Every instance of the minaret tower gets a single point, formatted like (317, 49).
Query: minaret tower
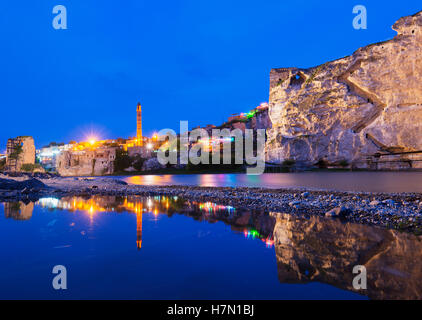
(139, 125)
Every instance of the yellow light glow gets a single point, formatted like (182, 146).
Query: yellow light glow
(149, 146)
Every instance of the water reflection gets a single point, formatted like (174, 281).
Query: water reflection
(201, 211)
(326, 251)
(18, 210)
(342, 181)
(306, 250)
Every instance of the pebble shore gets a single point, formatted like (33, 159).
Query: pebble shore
(395, 211)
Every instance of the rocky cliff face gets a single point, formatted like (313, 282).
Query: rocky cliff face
(261, 120)
(369, 103)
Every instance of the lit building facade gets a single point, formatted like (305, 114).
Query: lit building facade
(95, 161)
(47, 156)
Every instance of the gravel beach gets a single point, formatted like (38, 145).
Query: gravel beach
(401, 211)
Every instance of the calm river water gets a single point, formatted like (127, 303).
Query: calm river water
(168, 248)
(341, 181)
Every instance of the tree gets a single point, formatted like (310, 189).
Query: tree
(138, 163)
(123, 161)
(18, 149)
(30, 167)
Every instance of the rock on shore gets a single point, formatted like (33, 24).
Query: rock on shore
(30, 184)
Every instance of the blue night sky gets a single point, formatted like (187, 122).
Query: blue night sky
(183, 60)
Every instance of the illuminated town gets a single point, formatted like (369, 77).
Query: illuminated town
(97, 157)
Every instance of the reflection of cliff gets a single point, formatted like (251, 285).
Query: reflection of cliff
(18, 210)
(327, 250)
(307, 250)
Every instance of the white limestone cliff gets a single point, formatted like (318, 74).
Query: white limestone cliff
(350, 109)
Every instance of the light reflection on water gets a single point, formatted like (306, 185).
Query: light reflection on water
(341, 181)
(158, 241)
(156, 206)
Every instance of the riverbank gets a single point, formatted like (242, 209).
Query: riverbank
(175, 171)
(400, 211)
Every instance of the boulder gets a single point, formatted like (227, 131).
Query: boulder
(337, 212)
(30, 184)
(152, 164)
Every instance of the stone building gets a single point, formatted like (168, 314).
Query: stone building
(89, 162)
(237, 117)
(47, 156)
(20, 151)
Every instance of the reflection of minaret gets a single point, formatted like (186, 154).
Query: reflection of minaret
(139, 209)
(139, 124)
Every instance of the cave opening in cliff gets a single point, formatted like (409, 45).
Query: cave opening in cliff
(297, 80)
